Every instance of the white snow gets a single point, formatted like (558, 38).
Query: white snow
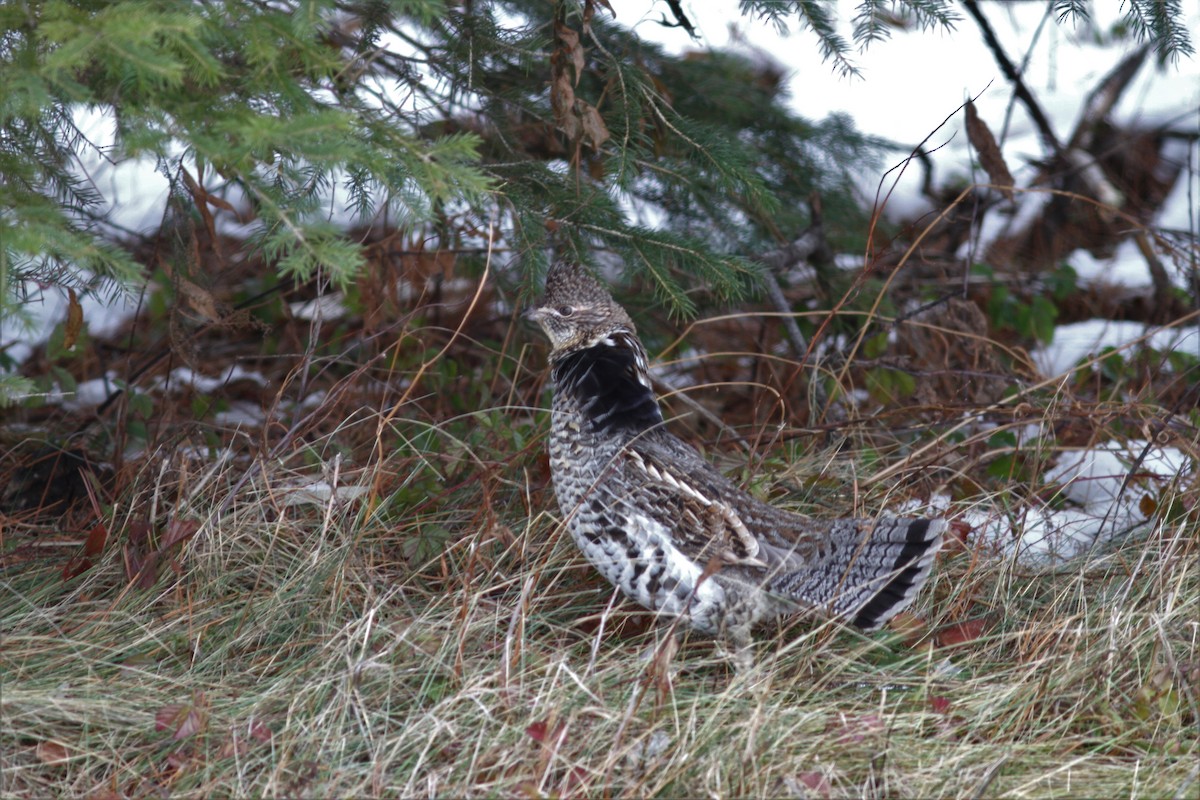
(186, 376)
(47, 309)
(328, 306)
(241, 414)
(92, 392)
(320, 492)
(134, 191)
(1098, 493)
(1072, 343)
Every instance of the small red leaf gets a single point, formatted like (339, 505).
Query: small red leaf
(537, 731)
(179, 530)
(51, 753)
(939, 704)
(961, 632)
(148, 574)
(96, 538)
(259, 732)
(541, 732)
(182, 719)
(76, 566)
(815, 782)
(139, 532)
(957, 537)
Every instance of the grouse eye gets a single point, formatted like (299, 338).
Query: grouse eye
(565, 311)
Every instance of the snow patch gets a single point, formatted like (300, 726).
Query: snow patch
(1073, 343)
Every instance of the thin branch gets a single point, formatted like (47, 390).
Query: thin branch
(681, 20)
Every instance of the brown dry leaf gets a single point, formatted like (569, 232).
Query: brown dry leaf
(147, 575)
(591, 124)
(183, 719)
(52, 753)
(179, 530)
(200, 196)
(961, 632)
(74, 323)
(93, 546)
(74, 567)
(96, 538)
(957, 537)
(990, 157)
(571, 48)
(912, 627)
(815, 784)
(136, 551)
(1147, 505)
(589, 11)
(139, 533)
(542, 732)
(259, 731)
(199, 298)
(562, 102)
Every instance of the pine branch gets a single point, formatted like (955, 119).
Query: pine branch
(1161, 21)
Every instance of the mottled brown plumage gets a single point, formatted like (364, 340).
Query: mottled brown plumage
(667, 528)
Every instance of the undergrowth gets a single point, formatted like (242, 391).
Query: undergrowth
(426, 628)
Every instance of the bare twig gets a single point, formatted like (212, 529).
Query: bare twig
(681, 20)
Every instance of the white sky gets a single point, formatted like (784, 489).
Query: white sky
(912, 81)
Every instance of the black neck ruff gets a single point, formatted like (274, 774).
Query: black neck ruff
(603, 380)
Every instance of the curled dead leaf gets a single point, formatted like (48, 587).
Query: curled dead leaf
(545, 731)
(179, 530)
(990, 157)
(183, 719)
(74, 323)
(591, 124)
(1147, 505)
(96, 538)
(957, 536)
(50, 752)
(961, 632)
(571, 48)
(815, 784)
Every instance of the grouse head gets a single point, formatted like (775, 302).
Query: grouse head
(577, 312)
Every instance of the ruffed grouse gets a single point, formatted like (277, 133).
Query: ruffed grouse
(672, 532)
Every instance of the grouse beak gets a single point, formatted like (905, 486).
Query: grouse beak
(533, 314)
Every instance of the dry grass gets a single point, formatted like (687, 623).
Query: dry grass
(440, 636)
(446, 640)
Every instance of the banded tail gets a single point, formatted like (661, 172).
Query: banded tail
(873, 570)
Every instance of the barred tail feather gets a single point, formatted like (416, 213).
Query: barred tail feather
(873, 572)
(918, 541)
